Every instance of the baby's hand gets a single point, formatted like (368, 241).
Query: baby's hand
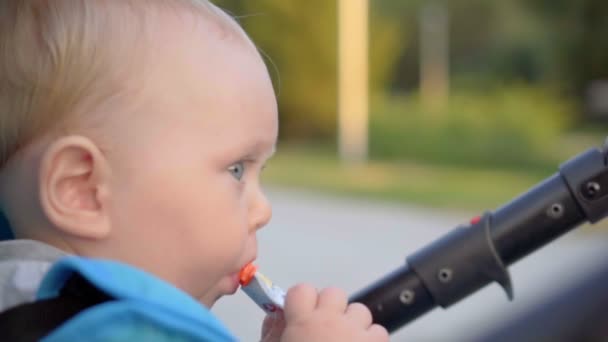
(273, 327)
(311, 316)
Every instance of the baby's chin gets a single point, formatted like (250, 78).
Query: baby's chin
(228, 285)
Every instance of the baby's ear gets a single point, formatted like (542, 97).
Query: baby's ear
(74, 187)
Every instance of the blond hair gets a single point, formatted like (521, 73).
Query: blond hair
(56, 55)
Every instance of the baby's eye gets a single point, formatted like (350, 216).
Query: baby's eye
(237, 170)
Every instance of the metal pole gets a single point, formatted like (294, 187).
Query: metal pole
(352, 80)
(434, 60)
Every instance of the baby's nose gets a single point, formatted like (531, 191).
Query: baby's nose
(260, 212)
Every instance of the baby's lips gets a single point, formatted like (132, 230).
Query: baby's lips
(247, 273)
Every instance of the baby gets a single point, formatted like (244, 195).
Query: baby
(136, 131)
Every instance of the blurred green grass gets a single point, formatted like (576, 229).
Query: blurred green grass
(459, 187)
(483, 149)
(501, 127)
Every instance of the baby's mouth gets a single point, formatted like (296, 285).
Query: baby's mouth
(246, 273)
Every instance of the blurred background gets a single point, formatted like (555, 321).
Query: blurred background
(401, 119)
(462, 94)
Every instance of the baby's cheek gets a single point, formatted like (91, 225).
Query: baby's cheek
(230, 233)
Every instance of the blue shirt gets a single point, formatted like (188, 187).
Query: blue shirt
(147, 308)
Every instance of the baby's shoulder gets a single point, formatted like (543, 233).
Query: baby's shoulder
(137, 305)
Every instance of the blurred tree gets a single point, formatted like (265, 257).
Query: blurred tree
(559, 44)
(491, 42)
(298, 40)
(579, 30)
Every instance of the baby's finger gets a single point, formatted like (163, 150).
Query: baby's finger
(334, 299)
(378, 333)
(300, 300)
(273, 327)
(359, 314)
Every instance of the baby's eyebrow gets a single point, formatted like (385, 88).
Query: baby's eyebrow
(259, 150)
(273, 150)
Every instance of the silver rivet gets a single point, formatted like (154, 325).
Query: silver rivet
(593, 188)
(407, 296)
(556, 210)
(445, 275)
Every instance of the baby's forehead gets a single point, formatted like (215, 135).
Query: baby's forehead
(166, 28)
(189, 59)
(137, 38)
(146, 19)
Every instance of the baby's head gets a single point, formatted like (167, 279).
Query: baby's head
(136, 131)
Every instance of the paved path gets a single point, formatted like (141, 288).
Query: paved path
(330, 241)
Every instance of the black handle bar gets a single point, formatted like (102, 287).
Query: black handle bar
(478, 253)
